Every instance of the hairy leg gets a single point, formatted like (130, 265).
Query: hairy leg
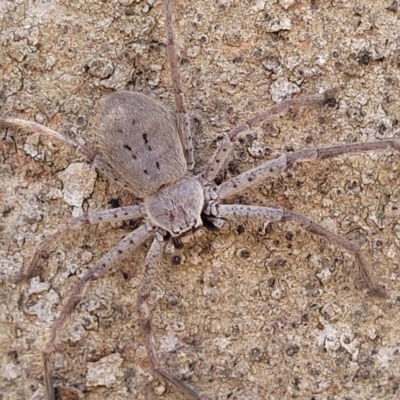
(261, 214)
(182, 115)
(221, 154)
(29, 127)
(258, 174)
(90, 155)
(150, 269)
(116, 214)
(103, 266)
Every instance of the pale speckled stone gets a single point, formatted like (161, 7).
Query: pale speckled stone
(78, 180)
(222, 45)
(105, 372)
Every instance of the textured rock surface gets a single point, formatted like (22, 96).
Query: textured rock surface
(241, 316)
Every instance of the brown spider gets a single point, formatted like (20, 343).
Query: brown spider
(150, 154)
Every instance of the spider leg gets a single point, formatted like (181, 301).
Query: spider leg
(29, 126)
(182, 115)
(220, 155)
(103, 266)
(116, 214)
(150, 269)
(278, 215)
(256, 175)
(90, 155)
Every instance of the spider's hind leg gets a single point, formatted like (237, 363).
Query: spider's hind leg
(146, 283)
(116, 214)
(34, 127)
(103, 266)
(262, 214)
(90, 155)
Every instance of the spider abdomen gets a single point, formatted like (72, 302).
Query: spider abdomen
(138, 137)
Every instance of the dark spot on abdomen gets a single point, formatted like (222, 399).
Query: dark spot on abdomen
(127, 147)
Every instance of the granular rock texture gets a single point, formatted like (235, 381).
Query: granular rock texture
(243, 314)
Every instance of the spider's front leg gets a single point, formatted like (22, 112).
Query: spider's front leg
(152, 260)
(182, 115)
(262, 214)
(103, 266)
